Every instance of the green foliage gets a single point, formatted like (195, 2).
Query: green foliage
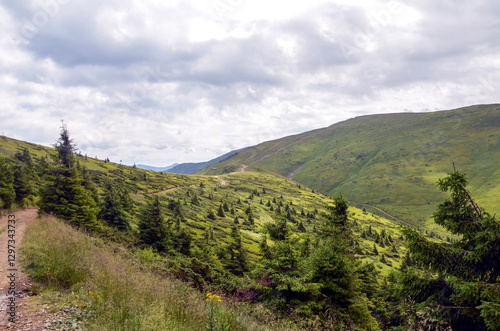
(389, 161)
(297, 280)
(152, 229)
(66, 193)
(7, 191)
(468, 272)
(113, 209)
(237, 262)
(22, 184)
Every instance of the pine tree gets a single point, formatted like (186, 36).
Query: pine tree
(468, 272)
(182, 240)
(152, 229)
(195, 201)
(237, 262)
(65, 193)
(7, 192)
(220, 212)
(251, 219)
(112, 210)
(22, 184)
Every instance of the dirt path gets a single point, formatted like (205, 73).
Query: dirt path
(10, 267)
(293, 173)
(172, 189)
(222, 181)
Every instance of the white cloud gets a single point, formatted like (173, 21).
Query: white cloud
(182, 81)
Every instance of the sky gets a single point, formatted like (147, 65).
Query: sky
(158, 82)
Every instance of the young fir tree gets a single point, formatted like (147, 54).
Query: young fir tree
(22, 184)
(466, 285)
(112, 210)
(220, 212)
(334, 268)
(152, 228)
(65, 194)
(7, 191)
(237, 262)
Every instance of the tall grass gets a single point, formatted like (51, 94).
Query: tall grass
(113, 289)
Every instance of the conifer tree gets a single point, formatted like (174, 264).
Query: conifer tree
(112, 210)
(65, 193)
(22, 183)
(182, 240)
(7, 192)
(237, 262)
(220, 212)
(468, 271)
(152, 229)
(195, 201)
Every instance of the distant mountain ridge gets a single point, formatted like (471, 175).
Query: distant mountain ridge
(159, 169)
(191, 168)
(390, 161)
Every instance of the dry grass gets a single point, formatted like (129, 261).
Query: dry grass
(112, 290)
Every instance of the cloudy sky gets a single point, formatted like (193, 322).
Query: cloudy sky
(158, 82)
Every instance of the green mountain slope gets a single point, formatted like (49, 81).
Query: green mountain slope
(241, 191)
(389, 161)
(191, 168)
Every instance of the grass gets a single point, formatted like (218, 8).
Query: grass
(237, 193)
(391, 161)
(107, 288)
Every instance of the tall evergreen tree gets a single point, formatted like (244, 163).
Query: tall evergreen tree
(65, 193)
(22, 183)
(7, 192)
(152, 228)
(237, 262)
(112, 210)
(466, 285)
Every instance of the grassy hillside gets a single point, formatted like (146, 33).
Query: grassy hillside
(239, 190)
(214, 226)
(191, 168)
(263, 192)
(390, 161)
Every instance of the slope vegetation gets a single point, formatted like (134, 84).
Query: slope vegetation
(390, 161)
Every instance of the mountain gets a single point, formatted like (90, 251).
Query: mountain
(191, 168)
(146, 167)
(392, 161)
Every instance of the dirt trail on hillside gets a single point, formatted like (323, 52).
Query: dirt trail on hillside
(9, 266)
(222, 181)
(171, 189)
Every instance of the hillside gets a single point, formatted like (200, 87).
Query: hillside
(193, 167)
(219, 231)
(268, 250)
(239, 190)
(146, 167)
(390, 161)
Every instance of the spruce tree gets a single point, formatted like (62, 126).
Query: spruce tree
(22, 184)
(220, 211)
(112, 210)
(152, 229)
(7, 191)
(467, 273)
(65, 194)
(237, 262)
